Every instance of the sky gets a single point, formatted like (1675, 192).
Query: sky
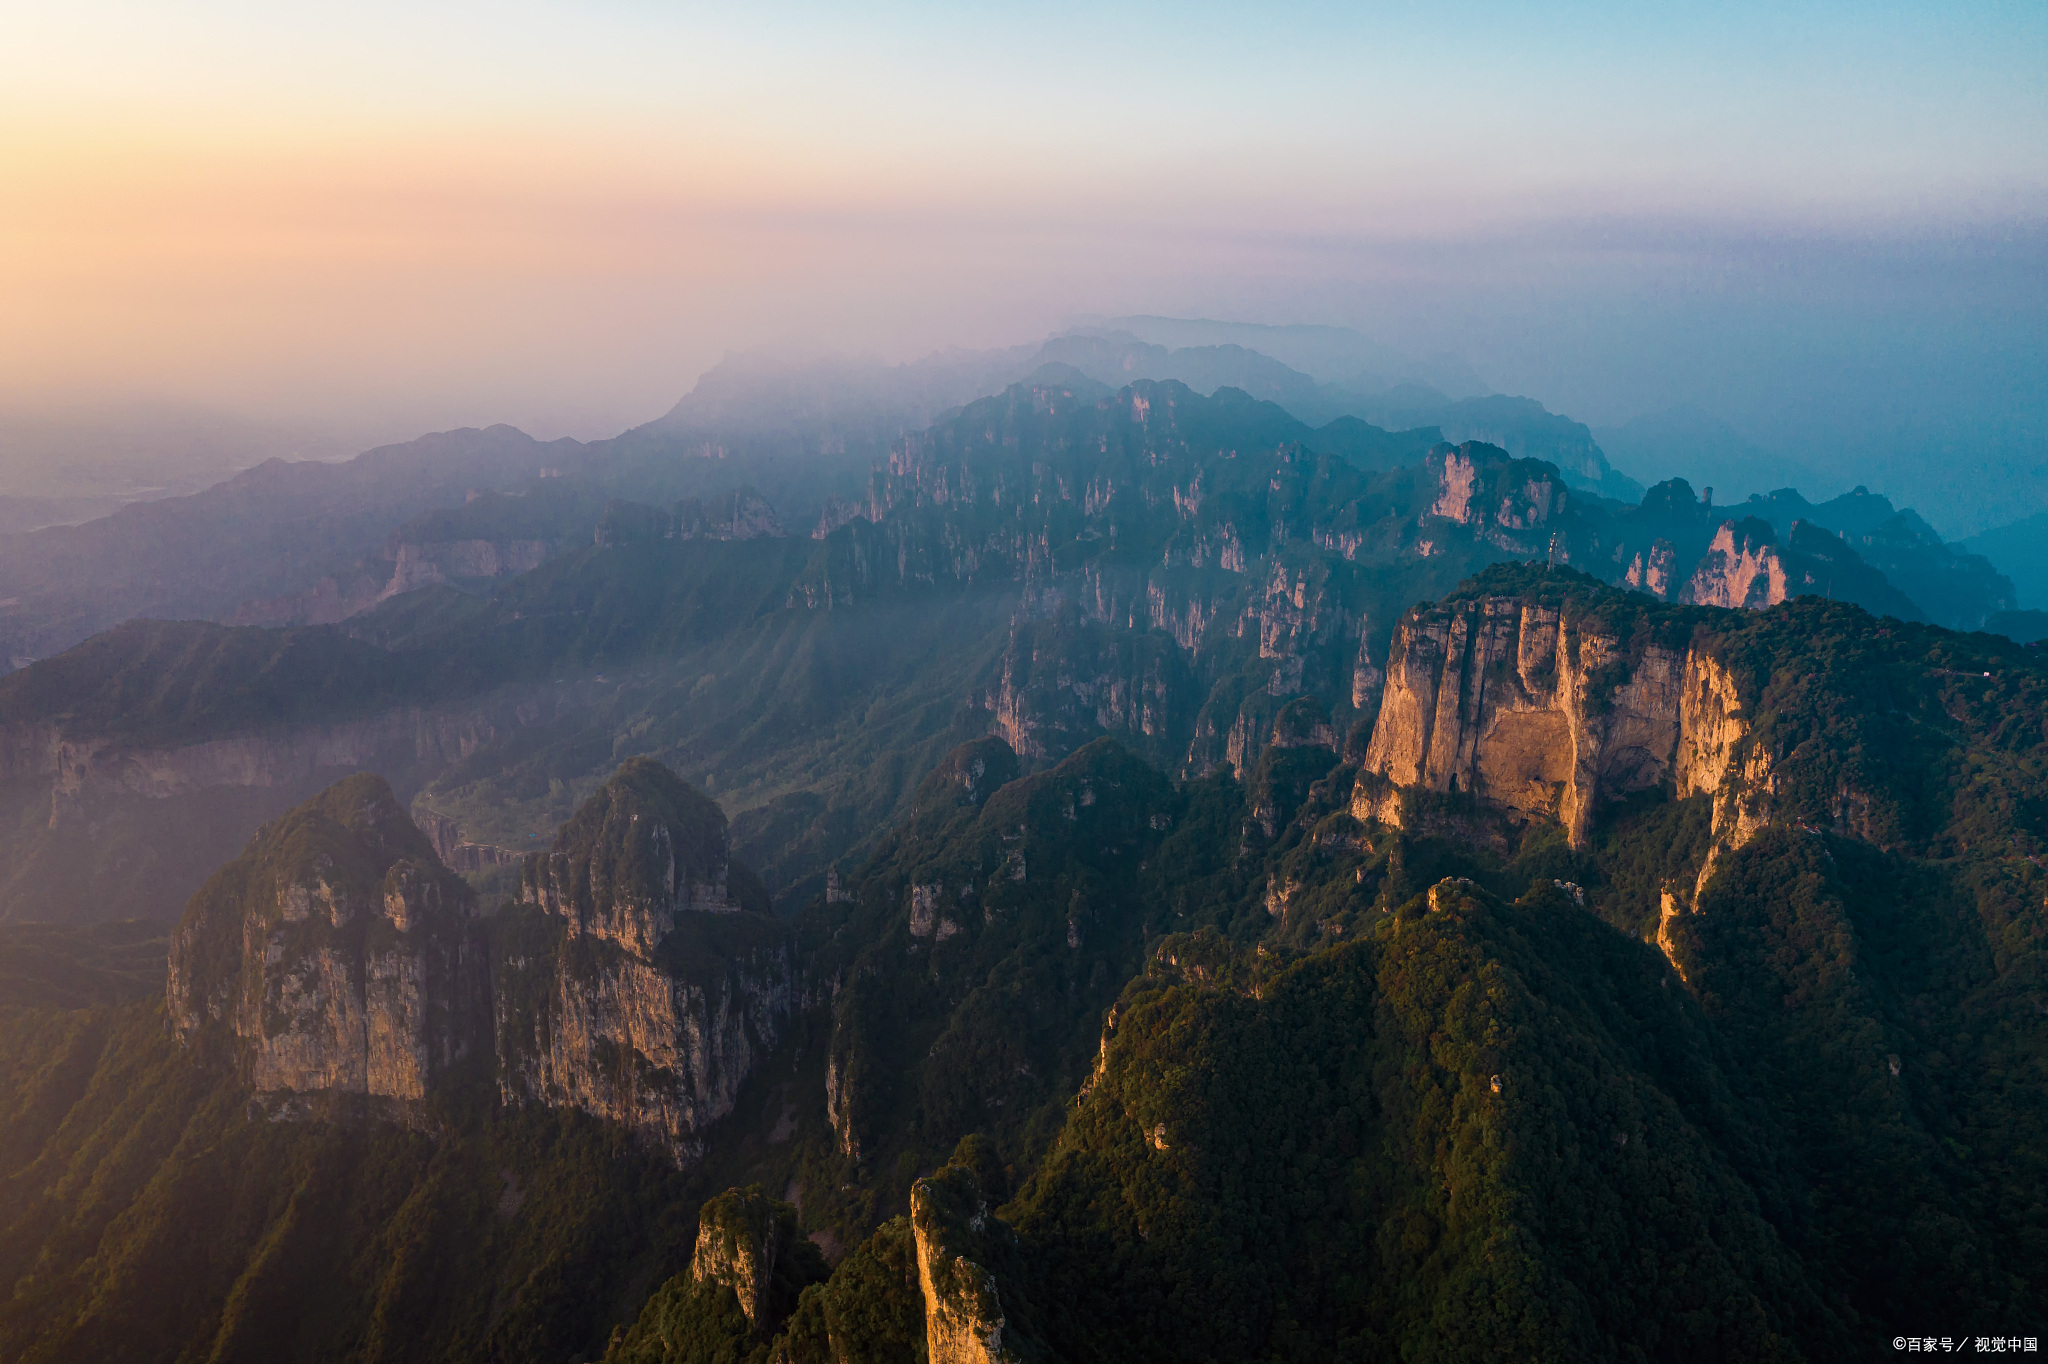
(1826, 223)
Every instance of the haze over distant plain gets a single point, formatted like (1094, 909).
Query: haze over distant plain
(1823, 223)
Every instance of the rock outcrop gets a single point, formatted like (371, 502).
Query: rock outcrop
(336, 955)
(1745, 566)
(646, 847)
(458, 853)
(1067, 681)
(1506, 502)
(643, 978)
(1955, 588)
(1540, 710)
(1178, 567)
(71, 798)
(749, 1272)
(420, 565)
(957, 1238)
(741, 1235)
(78, 771)
(1741, 568)
(491, 536)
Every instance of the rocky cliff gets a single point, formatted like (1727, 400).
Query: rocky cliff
(957, 1239)
(741, 1237)
(456, 852)
(1521, 705)
(1955, 588)
(490, 536)
(646, 847)
(641, 978)
(336, 955)
(1176, 569)
(1742, 567)
(1535, 696)
(1274, 571)
(749, 1272)
(1746, 566)
(418, 565)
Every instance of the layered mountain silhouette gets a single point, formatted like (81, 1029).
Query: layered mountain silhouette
(1058, 563)
(1130, 864)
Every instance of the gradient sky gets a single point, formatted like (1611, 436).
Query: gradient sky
(403, 216)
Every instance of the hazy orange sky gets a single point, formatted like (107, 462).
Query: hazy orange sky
(400, 216)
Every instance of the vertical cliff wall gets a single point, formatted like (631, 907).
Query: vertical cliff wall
(1515, 703)
(640, 979)
(336, 954)
(958, 1240)
(1540, 708)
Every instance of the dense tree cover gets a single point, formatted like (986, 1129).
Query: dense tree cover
(871, 1311)
(56, 966)
(153, 1213)
(1230, 1055)
(742, 1234)
(1447, 1141)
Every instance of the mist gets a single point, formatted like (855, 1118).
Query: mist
(1823, 231)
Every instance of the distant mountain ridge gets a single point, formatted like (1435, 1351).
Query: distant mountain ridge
(1031, 855)
(2021, 550)
(314, 542)
(1065, 563)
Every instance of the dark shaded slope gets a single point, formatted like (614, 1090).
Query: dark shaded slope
(2020, 551)
(161, 682)
(52, 966)
(1467, 1136)
(147, 1214)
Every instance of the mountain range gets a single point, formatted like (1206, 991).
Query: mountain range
(1122, 863)
(1583, 1005)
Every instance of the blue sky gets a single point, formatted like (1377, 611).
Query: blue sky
(556, 214)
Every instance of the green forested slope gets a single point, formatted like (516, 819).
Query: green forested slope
(153, 1213)
(1222, 1060)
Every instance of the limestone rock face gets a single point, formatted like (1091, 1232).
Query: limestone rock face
(740, 1236)
(456, 852)
(839, 1107)
(409, 562)
(1652, 570)
(1742, 567)
(1067, 681)
(1710, 725)
(969, 775)
(963, 1311)
(1503, 501)
(645, 848)
(337, 953)
(641, 979)
(1510, 701)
